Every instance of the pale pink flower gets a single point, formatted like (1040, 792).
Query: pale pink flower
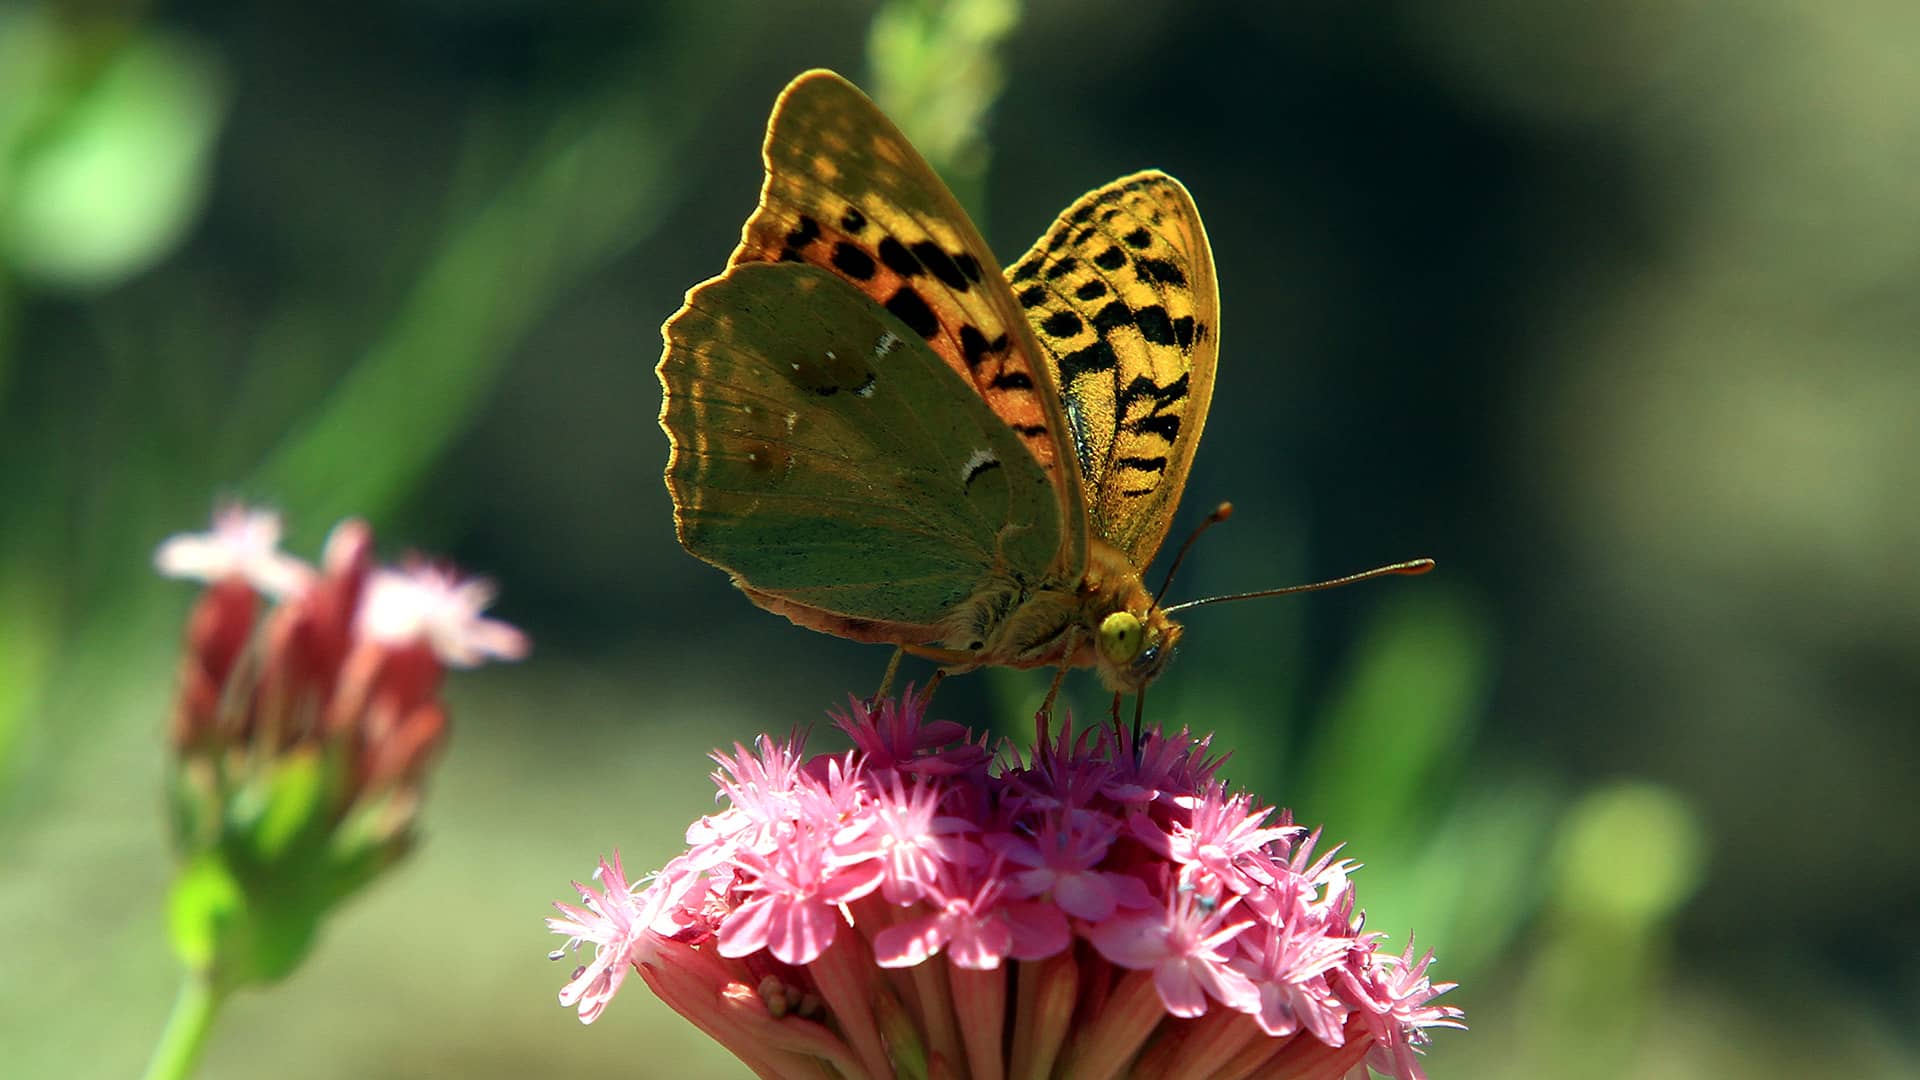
(918, 895)
(242, 544)
(895, 734)
(967, 925)
(915, 841)
(612, 920)
(1288, 956)
(437, 605)
(1223, 831)
(1395, 1001)
(1187, 949)
(798, 890)
(1062, 863)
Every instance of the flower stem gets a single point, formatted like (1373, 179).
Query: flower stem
(186, 1034)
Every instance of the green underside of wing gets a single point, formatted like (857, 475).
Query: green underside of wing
(823, 454)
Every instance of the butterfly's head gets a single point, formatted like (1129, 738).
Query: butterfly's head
(1135, 647)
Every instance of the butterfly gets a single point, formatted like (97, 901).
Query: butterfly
(880, 435)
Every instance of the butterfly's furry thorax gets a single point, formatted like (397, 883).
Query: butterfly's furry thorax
(1060, 620)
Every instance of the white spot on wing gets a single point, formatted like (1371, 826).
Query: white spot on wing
(885, 345)
(976, 461)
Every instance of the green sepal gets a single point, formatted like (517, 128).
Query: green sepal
(268, 854)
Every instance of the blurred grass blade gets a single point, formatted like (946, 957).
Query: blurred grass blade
(594, 189)
(1399, 724)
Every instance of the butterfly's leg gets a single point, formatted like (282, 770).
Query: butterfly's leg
(1139, 710)
(1118, 732)
(926, 692)
(886, 681)
(1060, 675)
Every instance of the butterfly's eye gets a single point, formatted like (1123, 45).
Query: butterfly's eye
(1120, 637)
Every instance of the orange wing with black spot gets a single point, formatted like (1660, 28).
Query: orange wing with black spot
(846, 191)
(1122, 295)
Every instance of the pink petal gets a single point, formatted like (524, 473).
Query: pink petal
(1039, 930)
(1085, 895)
(850, 883)
(1132, 941)
(1227, 986)
(978, 944)
(745, 930)
(801, 931)
(1178, 987)
(905, 944)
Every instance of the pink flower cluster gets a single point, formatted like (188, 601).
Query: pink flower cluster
(350, 655)
(926, 906)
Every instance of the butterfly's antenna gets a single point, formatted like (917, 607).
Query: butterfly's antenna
(1220, 514)
(1413, 566)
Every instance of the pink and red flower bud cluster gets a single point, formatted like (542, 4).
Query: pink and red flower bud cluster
(348, 662)
(923, 905)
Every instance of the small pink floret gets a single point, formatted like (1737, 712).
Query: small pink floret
(434, 604)
(242, 544)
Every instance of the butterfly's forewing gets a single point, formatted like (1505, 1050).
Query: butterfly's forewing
(846, 191)
(834, 465)
(1122, 296)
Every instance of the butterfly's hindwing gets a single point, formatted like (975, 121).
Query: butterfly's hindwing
(1121, 294)
(828, 459)
(845, 191)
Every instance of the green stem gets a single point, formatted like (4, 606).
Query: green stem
(186, 1034)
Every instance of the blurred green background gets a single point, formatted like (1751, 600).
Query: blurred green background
(1608, 306)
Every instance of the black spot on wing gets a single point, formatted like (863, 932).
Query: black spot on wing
(974, 345)
(1084, 214)
(1113, 316)
(1143, 464)
(1029, 430)
(969, 266)
(851, 261)
(898, 259)
(1012, 380)
(907, 306)
(1165, 425)
(935, 258)
(1138, 238)
(1062, 268)
(1098, 356)
(1159, 271)
(853, 221)
(1110, 259)
(1093, 289)
(1145, 389)
(1061, 324)
(807, 233)
(1183, 331)
(1154, 324)
(1033, 296)
(1026, 271)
